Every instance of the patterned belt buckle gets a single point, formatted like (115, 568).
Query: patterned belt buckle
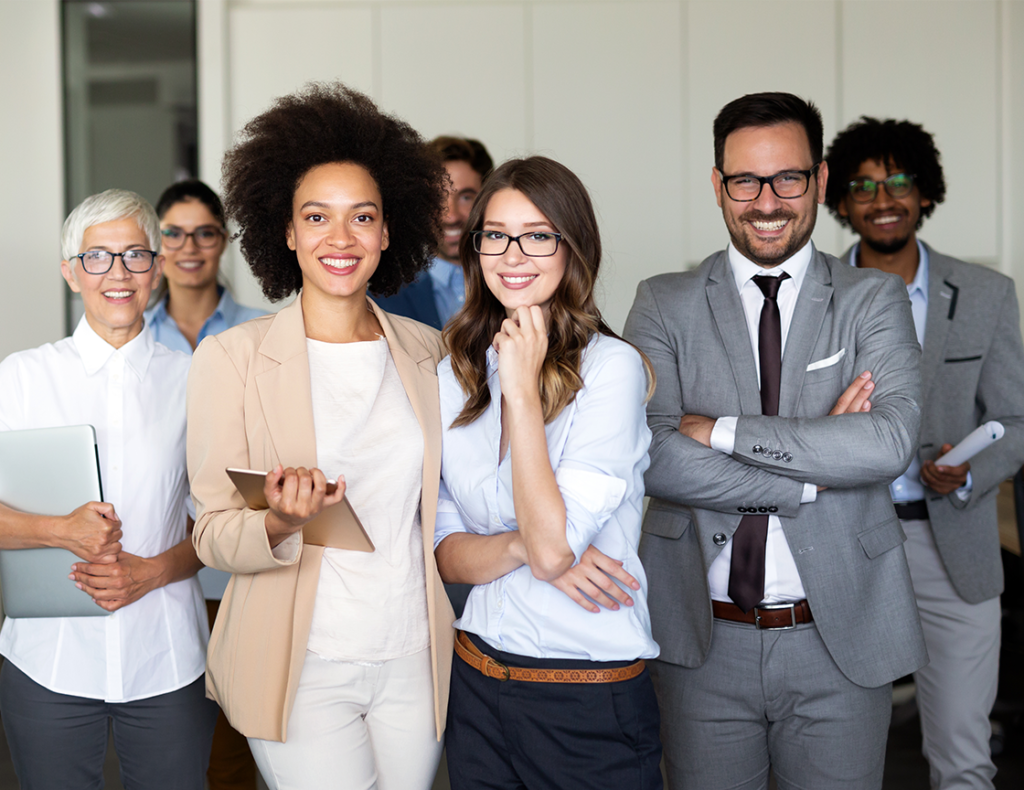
(488, 661)
(775, 607)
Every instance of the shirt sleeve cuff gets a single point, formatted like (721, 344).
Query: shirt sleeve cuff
(964, 492)
(288, 549)
(723, 435)
(810, 494)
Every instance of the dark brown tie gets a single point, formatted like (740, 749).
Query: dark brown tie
(746, 571)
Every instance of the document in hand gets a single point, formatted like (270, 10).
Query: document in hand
(50, 472)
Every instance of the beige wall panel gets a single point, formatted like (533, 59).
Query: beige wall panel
(32, 168)
(275, 49)
(457, 68)
(747, 46)
(944, 76)
(608, 103)
(1013, 144)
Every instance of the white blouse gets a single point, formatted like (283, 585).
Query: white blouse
(597, 447)
(135, 399)
(369, 606)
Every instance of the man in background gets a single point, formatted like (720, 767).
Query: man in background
(886, 179)
(438, 293)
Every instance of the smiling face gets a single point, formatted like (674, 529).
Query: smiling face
(337, 230)
(886, 224)
(516, 279)
(466, 183)
(192, 266)
(114, 302)
(769, 230)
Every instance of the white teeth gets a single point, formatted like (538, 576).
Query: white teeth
(517, 280)
(117, 294)
(454, 234)
(189, 264)
(886, 219)
(778, 224)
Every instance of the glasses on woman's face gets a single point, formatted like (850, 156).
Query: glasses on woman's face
(864, 190)
(101, 261)
(205, 236)
(539, 244)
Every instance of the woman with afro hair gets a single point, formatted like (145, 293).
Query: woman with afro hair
(333, 663)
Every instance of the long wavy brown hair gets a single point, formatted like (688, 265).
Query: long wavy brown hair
(575, 318)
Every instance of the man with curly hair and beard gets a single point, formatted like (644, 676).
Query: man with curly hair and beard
(886, 178)
(333, 663)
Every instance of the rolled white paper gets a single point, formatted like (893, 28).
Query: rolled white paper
(972, 444)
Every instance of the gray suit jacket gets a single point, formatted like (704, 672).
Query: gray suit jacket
(972, 371)
(848, 544)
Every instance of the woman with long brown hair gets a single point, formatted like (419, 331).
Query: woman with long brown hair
(544, 449)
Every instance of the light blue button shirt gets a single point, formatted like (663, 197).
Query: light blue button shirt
(228, 314)
(598, 448)
(908, 486)
(165, 331)
(449, 288)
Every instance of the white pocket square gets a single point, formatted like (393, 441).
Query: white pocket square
(827, 363)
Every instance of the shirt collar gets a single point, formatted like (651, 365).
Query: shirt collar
(743, 269)
(96, 352)
(442, 271)
(920, 281)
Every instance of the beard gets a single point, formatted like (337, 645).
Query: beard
(769, 254)
(886, 248)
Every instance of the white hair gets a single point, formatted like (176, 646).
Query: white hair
(109, 206)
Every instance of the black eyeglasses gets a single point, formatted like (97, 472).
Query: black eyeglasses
(101, 261)
(788, 184)
(864, 190)
(205, 236)
(539, 244)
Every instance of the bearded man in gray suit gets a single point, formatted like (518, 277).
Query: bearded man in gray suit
(787, 400)
(886, 179)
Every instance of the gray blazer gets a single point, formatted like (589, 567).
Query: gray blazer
(972, 371)
(848, 544)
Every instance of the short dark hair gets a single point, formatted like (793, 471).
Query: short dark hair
(903, 144)
(769, 109)
(190, 189)
(322, 124)
(464, 149)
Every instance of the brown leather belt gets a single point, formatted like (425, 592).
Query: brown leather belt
(492, 668)
(769, 617)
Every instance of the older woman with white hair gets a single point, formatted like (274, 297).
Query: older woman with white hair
(141, 667)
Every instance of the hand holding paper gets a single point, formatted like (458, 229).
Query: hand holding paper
(972, 444)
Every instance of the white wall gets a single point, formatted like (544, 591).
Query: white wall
(625, 92)
(31, 175)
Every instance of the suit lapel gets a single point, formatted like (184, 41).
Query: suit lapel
(285, 390)
(730, 319)
(808, 315)
(942, 295)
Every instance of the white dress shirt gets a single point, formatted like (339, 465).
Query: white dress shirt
(598, 448)
(135, 399)
(781, 579)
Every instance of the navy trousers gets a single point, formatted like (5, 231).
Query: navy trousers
(518, 735)
(59, 742)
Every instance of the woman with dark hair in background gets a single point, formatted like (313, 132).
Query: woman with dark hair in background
(191, 305)
(334, 663)
(545, 447)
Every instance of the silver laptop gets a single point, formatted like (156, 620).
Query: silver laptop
(48, 471)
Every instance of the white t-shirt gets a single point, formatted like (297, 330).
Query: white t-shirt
(369, 606)
(135, 399)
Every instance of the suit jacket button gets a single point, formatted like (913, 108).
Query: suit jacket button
(762, 510)
(787, 457)
(757, 449)
(719, 539)
(777, 455)
(742, 509)
(773, 509)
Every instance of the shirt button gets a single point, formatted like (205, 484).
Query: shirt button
(719, 539)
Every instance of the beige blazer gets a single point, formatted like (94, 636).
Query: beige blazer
(249, 406)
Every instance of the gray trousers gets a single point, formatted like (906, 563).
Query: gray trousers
(770, 700)
(59, 742)
(956, 690)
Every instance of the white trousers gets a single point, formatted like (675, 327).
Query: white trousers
(357, 727)
(956, 690)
